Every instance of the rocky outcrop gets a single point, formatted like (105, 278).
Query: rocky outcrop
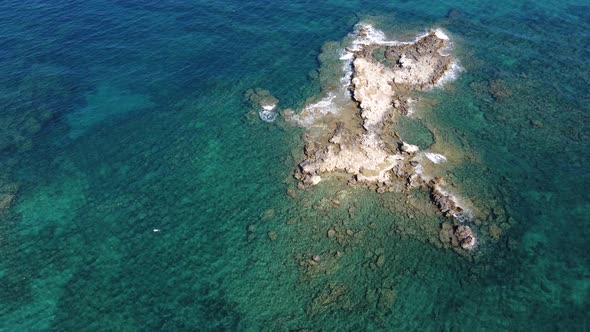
(380, 88)
(345, 136)
(263, 103)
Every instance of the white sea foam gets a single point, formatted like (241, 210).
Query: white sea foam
(466, 215)
(366, 34)
(346, 57)
(267, 115)
(451, 74)
(435, 157)
(269, 107)
(324, 105)
(440, 34)
(307, 116)
(410, 109)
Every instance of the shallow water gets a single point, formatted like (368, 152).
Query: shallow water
(146, 191)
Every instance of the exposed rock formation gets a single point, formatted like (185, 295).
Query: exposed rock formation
(457, 236)
(379, 77)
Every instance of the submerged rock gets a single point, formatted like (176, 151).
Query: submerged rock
(454, 13)
(6, 201)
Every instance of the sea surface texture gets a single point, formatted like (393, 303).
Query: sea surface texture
(139, 189)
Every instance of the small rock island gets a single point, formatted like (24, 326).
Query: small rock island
(379, 82)
(348, 127)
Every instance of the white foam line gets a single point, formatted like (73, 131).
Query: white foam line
(450, 75)
(440, 34)
(269, 107)
(267, 115)
(435, 157)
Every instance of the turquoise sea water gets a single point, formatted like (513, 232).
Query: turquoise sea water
(138, 194)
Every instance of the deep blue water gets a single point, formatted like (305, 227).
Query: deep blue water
(119, 118)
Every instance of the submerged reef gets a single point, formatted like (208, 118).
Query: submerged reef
(31, 102)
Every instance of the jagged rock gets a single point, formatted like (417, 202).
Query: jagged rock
(454, 13)
(272, 235)
(465, 237)
(458, 236)
(292, 193)
(447, 203)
